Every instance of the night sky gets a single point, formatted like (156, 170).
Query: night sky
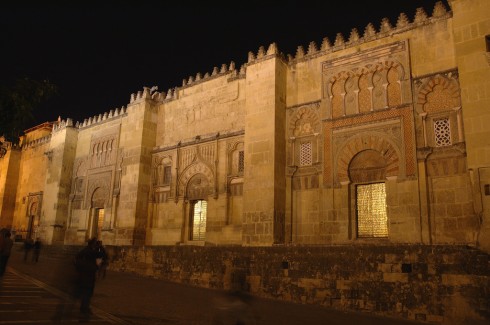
(99, 52)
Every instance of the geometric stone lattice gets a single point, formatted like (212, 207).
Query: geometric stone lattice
(372, 220)
(442, 132)
(305, 154)
(241, 161)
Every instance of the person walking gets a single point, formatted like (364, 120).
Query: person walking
(86, 267)
(37, 250)
(102, 260)
(5, 250)
(28, 244)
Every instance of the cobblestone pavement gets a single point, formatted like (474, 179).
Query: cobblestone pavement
(133, 299)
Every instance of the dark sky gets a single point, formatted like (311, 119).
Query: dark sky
(99, 52)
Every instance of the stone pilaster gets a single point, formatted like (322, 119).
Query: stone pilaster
(264, 190)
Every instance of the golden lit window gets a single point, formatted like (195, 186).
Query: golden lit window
(199, 220)
(372, 219)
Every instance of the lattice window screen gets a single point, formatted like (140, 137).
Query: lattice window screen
(241, 161)
(199, 220)
(372, 219)
(442, 132)
(305, 154)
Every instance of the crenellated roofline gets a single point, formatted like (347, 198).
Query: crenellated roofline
(386, 29)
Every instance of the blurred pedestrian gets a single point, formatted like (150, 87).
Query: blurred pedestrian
(67, 278)
(234, 307)
(102, 260)
(5, 249)
(86, 266)
(3, 231)
(28, 244)
(37, 250)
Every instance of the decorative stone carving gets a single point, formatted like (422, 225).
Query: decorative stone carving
(98, 190)
(188, 173)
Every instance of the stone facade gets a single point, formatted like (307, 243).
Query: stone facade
(372, 150)
(281, 150)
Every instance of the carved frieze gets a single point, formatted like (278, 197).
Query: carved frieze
(369, 80)
(207, 177)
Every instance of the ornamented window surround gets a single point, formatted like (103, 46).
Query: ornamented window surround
(159, 182)
(307, 113)
(233, 156)
(296, 142)
(449, 80)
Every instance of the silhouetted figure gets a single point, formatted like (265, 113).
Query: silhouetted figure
(86, 266)
(36, 250)
(5, 249)
(28, 244)
(102, 260)
(234, 307)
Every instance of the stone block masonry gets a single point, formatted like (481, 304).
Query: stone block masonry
(437, 284)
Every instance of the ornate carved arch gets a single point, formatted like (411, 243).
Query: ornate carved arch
(365, 83)
(98, 191)
(397, 66)
(394, 76)
(99, 197)
(198, 187)
(304, 115)
(367, 141)
(367, 166)
(192, 170)
(336, 92)
(439, 93)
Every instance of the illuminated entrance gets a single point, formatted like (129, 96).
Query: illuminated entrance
(198, 220)
(367, 171)
(97, 223)
(372, 220)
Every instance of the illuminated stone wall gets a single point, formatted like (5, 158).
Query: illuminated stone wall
(9, 174)
(33, 163)
(380, 106)
(472, 44)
